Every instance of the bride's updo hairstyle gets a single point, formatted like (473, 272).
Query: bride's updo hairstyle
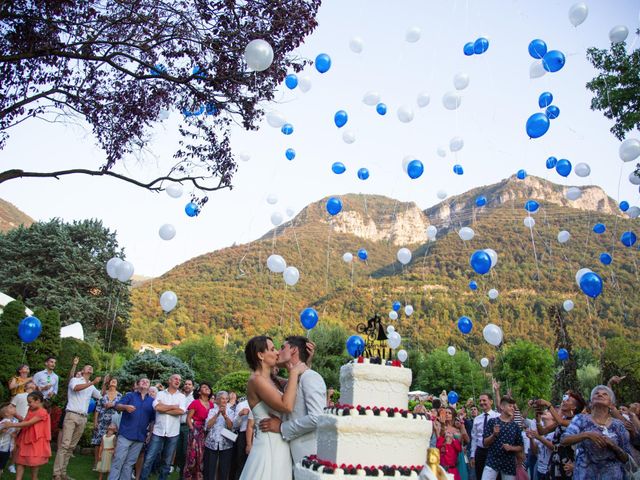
(255, 346)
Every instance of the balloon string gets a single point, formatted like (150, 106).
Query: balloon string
(328, 256)
(284, 297)
(535, 253)
(113, 322)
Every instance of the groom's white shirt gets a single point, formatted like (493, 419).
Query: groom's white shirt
(299, 428)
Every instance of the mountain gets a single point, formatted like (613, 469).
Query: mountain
(11, 217)
(230, 291)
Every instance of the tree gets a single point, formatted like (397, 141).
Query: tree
(621, 357)
(233, 382)
(330, 353)
(203, 356)
(566, 378)
(48, 342)
(61, 266)
(12, 353)
(158, 368)
(120, 65)
(526, 369)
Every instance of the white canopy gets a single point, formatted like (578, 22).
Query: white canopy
(74, 330)
(6, 299)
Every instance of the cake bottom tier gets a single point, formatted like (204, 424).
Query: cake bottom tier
(304, 473)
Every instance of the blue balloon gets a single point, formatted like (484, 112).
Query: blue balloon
(521, 174)
(192, 209)
(458, 170)
(362, 254)
(531, 206)
(381, 108)
(340, 118)
(605, 258)
(537, 48)
(338, 168)
(591, 284)
(323, 63)
(334, 206)
(158, 70)
(363, 173)
(552, 112)
(624, 205)
(355, 345)
(92, 405)
(29, 329)
(480, 261)
(308, 318)
(551, 162)
(465, 324)
(599, 228)
(563, 167)
(563, 355)
(287, 129)
(545, 99)
(211, 108)
(452, 397)
(473, 285)
(480, 46)
(290, 154)
(628, 239)
(481, 201)
(553, 61)
(291, 81)
(396, 306)
(468, 49)
(537, 125)
(415, 168)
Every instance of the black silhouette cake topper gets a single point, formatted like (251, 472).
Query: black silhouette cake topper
(375, 337)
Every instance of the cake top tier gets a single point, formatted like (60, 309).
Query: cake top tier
(375, 385)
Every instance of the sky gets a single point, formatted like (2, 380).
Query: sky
(491, 121)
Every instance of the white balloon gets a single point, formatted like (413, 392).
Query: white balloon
(580, 273)
(432, 231)
(441, 194)
(493, 294)
(404, 256)
(461, 80)
(578, 13)
(290, 212)
(371, 98)
(484, 361)
(618, 34)
(573, 193)
(304, 83)
(451, 350)
(405, 114)
(348, 137)
(291, 276)
(406, 160)
(163, 114)
(167, 231)
(403, 355)
(466, 233)
(124, 271)
(582, 169)
(276, 263)
(391, 329)
(276, 218)
(347, 257)
(567, 305)
(451, 100)
(174, 190)
(536, 69)
(258, 54)
(408, 310)
(272, 199)
(112, 267)
(168, 301)
(629, 150)
(492, 334)
(394, 340)
(276, 119)
(423, 99)
(412, 35)
(356, 44)
(441, 152)
(634, 179)
(493, 255)
(393, 315)
(529, 222)
(456, 144)
(633, 212)
(563, 236)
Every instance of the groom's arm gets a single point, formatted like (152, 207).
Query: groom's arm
(315, 399)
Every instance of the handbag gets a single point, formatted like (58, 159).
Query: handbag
(229, 435)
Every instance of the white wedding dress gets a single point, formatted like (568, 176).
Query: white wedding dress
(270, 457)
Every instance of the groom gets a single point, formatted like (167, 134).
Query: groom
(299, 428)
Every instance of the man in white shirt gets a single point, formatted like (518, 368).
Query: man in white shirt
(169, 404)
(181, 450)
(240, 423)
(46, 380)
(80, 392)
(478, 450)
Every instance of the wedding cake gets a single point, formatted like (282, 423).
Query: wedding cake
(370, 432)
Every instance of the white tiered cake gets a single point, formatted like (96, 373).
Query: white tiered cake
(370, 432)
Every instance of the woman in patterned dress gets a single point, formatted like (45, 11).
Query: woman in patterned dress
(196, 416)
(103, 417)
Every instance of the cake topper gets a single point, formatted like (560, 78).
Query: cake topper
(376, 338)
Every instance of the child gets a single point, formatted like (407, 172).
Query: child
(7, 434)
(449, 450)
(105, 452)
(33, 445)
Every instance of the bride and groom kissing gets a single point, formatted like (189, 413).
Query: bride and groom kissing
(287, 419)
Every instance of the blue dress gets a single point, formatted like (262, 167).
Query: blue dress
(593, 462)
(105, 417)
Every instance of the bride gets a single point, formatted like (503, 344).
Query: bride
(270, 458)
